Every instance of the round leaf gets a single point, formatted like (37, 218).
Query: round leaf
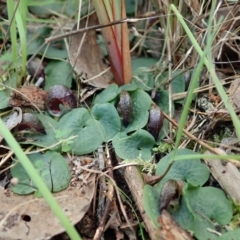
(212, 203)
(137, 64)
(144, 79)
(36, 39)
(151, 204)
(140, 143)
(234, 234)
(182, 215)
(52, 168)
(9, 79)
(162, 100)
(108, 116)
(58, 73)
(178, 83)
(141, 103)
(107, 94)
(128, 87)
(200, 228)
(90, 133)
(44, 140)
(191, 171)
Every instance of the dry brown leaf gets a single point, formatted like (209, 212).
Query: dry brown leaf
(12, 119)
(90, 59)
(151, 180)
(27, 217)
(28, 96)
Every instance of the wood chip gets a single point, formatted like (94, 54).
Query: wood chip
(170, 230)
(226, 174)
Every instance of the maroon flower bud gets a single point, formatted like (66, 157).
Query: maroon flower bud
(60, 99)
(32, 123)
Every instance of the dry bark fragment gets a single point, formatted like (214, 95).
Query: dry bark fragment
(226, 174)
(170, 230)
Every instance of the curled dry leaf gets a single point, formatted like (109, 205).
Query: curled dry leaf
(89, 60)
(28, 96)
(27, 217)
(125, 107)
(151, 180)
(13, 119)
(155, 121)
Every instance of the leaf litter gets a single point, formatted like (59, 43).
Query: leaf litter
(97, 121)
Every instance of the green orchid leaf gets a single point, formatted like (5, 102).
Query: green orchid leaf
(107, 94)
(197, 213)
(128, 87)
(178, 80)
(143, 77)
(141, 103)
(215, 206)
(108, 116)
(191, 171)
(131, 6)
(9, 80)
(140, 143)
(44, 140)
(200, 228)
(144, 80)
(52, 168)
(88, 131)
(231, 235)
(182, 215)
(77, 131)
(162, 100)
(58, 73)
(137, 64)
(151, 204)
(36, 40)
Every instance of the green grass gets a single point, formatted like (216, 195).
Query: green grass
(18, 14)
(210, 67)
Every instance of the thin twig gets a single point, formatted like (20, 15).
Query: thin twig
(108, 201)
(202, 143)
(83, 30)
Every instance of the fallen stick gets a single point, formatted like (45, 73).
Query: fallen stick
(136, 185)
(226, 174)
